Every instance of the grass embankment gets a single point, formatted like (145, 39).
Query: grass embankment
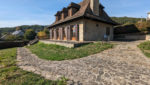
(58, 53)
(145, 47)
(10, 74)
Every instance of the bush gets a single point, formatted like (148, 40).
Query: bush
(42, 35)
(143, 26)
(46, 31)
(30, 34)
(11, 38)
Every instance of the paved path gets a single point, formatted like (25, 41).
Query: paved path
(122, 65)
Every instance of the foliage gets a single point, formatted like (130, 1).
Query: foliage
(36, 28)
(145, 47)
(127, 20)
(56, 52)
(46, 31)
(125, 29)
(0, 34)
(30, 34)
(10, 74)
(13, 37)
(18, 28)
(143, 26)
(43, 34)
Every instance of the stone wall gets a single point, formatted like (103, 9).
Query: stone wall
(11, 44)
(90, 30)
(132, 37)
(96, 30)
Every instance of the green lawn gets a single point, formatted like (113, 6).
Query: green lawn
(55, 52)
(145, 47)
(10, 74)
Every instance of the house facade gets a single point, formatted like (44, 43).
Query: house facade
(85, 21)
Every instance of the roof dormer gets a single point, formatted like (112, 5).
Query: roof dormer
(64, 13)
(58, 16)
(73, 8)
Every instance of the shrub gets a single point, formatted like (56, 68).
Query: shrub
(46, 31)
(11, 38)
(143, 26)
(30, 34)
(42, 35)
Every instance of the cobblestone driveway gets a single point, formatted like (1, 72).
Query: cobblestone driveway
(123, 65)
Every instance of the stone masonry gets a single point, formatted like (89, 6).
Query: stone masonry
(123, 65)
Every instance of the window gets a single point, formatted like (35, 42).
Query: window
(97, 25)
(108, 31)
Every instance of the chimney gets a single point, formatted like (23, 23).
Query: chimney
(148, 16)
(94, 4)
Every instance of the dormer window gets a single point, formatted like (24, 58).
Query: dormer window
(64, 13)
(73, 8)
(58, 16)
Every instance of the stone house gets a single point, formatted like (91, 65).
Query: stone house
(85, 21)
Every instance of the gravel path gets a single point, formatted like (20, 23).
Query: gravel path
(123, 65)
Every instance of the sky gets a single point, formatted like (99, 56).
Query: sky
(41, 12)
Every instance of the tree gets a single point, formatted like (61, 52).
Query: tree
(30, 34)
(0, 34)
(46, 31)
(18, 28)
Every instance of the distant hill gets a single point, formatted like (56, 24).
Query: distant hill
(127, 20)
(121, 20)
(23, 27)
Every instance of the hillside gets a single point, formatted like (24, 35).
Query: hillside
(23, 27)
(121, 20)
(127, 20)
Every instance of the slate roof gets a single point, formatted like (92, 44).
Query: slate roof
(85, 12)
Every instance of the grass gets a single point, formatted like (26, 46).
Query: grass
(145, 47)
(58, 53)
(10, 74)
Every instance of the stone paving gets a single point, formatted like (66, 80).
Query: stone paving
(123, 65)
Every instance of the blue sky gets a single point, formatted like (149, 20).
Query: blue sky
(30, 12)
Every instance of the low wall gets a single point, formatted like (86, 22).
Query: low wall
(132, 37)
(65, 44)
(10, 44)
